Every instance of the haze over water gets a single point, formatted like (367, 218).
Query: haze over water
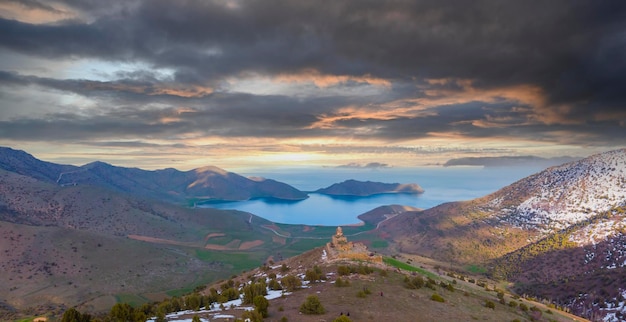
(440, 184)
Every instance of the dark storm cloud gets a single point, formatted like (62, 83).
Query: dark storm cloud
(574, 51)
(275, 116)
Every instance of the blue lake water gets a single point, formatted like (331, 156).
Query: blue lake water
(440, 184)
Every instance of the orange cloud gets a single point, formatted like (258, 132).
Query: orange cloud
(23, 13)
(187, 92)
(526, 94)
(159, 89)
(175, 115)
(326, 80)
(452, 91)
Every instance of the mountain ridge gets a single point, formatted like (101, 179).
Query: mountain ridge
(206, 183)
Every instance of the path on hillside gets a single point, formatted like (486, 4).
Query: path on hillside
(68, 172)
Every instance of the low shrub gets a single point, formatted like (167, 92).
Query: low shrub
(437, 298)
(312, 305)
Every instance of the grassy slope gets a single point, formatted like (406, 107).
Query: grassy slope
(456, 232)
(465, 303)
(71, 245)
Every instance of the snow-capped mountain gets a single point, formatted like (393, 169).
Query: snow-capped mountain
(559, 235)
(564, 195)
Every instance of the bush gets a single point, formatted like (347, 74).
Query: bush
(312, 305)
(343, 270)
(361, 294)
(274, 285)
(311, 276)
(490, 305)
(341, 283)
(437, 298)
(342, 318)
(122, 312)
(72, 315)
(254, 316)
(261, 304)
(252, 290)
(416, 282)
(513, 304)
(523, 307)
(291, 283)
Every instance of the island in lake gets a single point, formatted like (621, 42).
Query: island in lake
(369, 188)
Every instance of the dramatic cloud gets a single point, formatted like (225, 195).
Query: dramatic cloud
(297, 77)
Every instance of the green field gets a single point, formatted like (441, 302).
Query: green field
(132, 299)
(303, 245)
(401, 265)
(238, 261)
(179, 292)
(476, 269)
(379, 244)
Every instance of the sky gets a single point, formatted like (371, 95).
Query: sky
(276, 83)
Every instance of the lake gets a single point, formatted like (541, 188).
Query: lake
(441, 184)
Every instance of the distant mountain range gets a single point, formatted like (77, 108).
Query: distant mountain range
(183, 187)
(368, 188)
(558, 234)
(207, 183)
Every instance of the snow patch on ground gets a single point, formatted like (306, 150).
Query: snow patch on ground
(563, 195)
(597, 232)
(616, 310)
(217, 313)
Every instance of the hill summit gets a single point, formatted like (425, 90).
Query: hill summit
(368, 188)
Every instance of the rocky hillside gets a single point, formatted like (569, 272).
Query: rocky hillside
(583, 265)
(563, 195)
(65, 246)
(489, 227)
(311, 288)
(23, 163)
(558, 234)
(207, 183)
(368, 188)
